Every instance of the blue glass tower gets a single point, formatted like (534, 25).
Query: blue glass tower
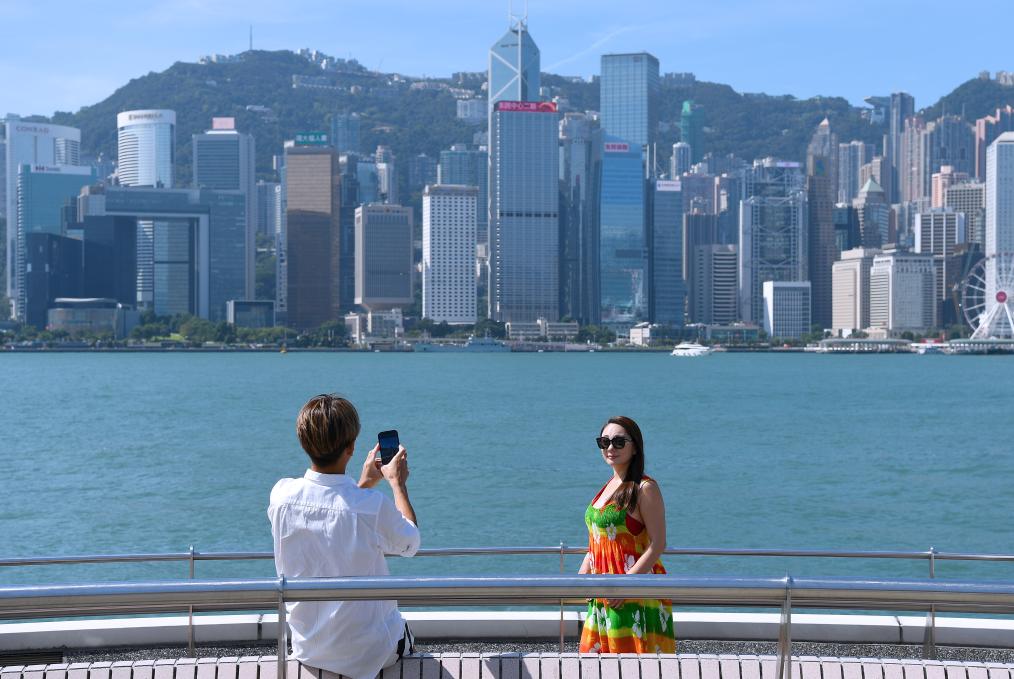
(513, 66)
(628, 90)
(623, 247)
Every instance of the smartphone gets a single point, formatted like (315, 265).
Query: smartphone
(389, 443)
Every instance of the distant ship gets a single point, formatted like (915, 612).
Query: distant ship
(474, 345)
(691, 349)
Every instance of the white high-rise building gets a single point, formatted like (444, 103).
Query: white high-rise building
(1000, 195)
(902, 292)
(850, 291)
(937, 233)
(448, 256)
(786, 308)
(38, 145)
(146, 147)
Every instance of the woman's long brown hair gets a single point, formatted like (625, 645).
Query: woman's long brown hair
(626, 496)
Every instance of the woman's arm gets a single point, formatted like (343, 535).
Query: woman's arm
(652, 510)
(585, 565)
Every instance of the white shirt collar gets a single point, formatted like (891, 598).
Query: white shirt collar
(328, 479)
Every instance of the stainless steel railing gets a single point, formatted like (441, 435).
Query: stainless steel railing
(257, 594)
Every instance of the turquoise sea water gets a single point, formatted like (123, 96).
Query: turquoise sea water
(151, 453)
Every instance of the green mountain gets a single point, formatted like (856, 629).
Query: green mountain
(415, 115)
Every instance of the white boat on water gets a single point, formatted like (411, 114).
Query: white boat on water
(691, 349)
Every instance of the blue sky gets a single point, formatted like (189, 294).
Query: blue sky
(66, 54)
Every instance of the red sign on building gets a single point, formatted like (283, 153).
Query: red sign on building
(617, 147)
(527, 106)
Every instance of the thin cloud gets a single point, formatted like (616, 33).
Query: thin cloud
(593, 47)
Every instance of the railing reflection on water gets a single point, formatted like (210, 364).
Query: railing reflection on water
(789, 599)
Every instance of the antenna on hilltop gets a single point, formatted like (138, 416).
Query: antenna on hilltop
(251, 37)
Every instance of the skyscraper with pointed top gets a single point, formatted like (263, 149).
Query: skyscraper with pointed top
(514, 62)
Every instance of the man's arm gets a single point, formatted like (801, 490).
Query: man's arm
(396, 473)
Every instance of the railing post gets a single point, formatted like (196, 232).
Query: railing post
(562, 548)
(785, 634)
(283, 639)
(929, 641)
(190, 612)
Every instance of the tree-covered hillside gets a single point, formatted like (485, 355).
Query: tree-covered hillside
(422, 119)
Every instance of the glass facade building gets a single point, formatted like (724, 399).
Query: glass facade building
(623, 247)
(513, 67)
(384, 256)
(629, 91)
(462, 166)
(578, 231)
(525, 212)
(668, 287)
(146, 148)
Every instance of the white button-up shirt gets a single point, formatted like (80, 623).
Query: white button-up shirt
(324, 525)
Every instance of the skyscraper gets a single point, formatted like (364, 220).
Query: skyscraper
(383, 256)
(787, 309)
(902, 107)
(313, 237)
(901, 292)
(35, 144)
(691, 129)
(224, 160)
(851, 158)
(874, 215)
(462, 166)
(987, 129)
(628, 94)
(345, 132)
(514, 63)
(525, 211)
(820, 190)
(939, 232)
(623, 249)
(713, 295)
(680, 161)
(578, 230)
(146, 148)
(448, 258)
(700, 229)
(1000, 195)
(668, 288)
(969, 198)
(851, 297)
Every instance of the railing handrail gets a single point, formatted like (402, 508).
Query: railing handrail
(930, 554)
(264, 593)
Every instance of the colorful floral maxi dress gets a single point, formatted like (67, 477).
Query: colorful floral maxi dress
(615, 542)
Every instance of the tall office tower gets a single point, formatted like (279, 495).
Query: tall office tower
(525, 211)
(513, 67)
(772, 247)
(345, 132)
(851, 158)
(350, 201)
(851, 281)
(628, 96)
(943, 180)
(623, 248)
(383, 256)
(368, 179)
(448, 257)
(938, 233)
(876, 170)
(313, 235)
(770, 177)
(680, 161)
(41, 192)
(578, 232)
(913, 182)
(190, 260)
(874, 215)
(698, 193)
(902, 107)
(146, 148)
(713, 295)
(108, 257)
(268, 195)
(422, 170)
(468, 167)
(728, 194)
(846, 227)
(225, 160)
(987, 129)
(970, 199)
(949, 141)
(52, 269)
(787, 309)
(820, 193)
(691, 129)
(700, 229)
(1000, 195)
(35, 144)
(665, 256)
(387, 176)
(902, 292)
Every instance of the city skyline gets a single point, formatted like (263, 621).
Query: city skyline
(720, 45)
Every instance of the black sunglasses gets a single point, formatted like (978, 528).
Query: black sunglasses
(618, 442)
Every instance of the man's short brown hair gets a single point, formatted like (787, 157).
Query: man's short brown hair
(327, 425)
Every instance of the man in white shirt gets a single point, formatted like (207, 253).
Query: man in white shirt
(327, 525)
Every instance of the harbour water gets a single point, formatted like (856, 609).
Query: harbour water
(119, 453)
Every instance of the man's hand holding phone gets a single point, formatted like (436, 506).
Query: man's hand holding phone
(371, 474)
(396, 471)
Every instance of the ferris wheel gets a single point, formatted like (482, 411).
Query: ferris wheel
(987, 297)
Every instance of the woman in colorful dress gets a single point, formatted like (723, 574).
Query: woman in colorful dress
(626, 534)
